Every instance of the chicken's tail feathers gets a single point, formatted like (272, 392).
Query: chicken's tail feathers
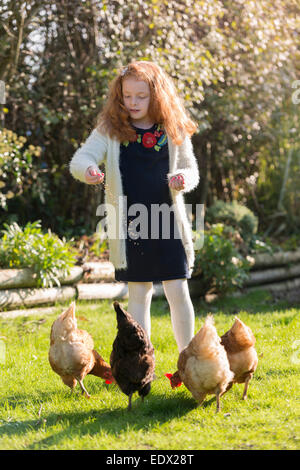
(70, 313)
(65, 322)
(118, 308)
(121, 312)
(209, 321)
(243, 334)
(207, 340)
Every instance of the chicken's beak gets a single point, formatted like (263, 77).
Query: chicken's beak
(173, 385)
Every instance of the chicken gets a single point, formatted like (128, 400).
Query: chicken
(239, 344)
(72, 354)
(203, 365)
(132, 357)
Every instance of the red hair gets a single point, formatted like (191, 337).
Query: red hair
(165, 107)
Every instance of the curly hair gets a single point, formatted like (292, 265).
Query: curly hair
(165, 107)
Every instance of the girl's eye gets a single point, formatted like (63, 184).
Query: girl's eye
(141, 97)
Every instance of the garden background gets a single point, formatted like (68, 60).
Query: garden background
(236, 64)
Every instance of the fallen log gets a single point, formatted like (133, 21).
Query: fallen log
(105, 290)
(269, 275)
(30, 312)
(26, 277)
(263, 260)
(119, 290)
(13, 298)
(97, 271)
(288, 285)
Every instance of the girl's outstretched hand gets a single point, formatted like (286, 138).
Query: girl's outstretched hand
(93, 175)
(177, 182)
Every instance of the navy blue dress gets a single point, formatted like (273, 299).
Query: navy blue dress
(144, 165)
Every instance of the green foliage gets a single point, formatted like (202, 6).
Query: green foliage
(46, 254)
(233, 63)
(277, 188)
(17, 166)
(219, 264)
(235, 215)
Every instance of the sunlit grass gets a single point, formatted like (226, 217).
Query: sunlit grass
(37, 411)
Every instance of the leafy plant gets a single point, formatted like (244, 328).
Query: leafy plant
(235, 215)
(45, 253)
(219, 264)
(16, 161)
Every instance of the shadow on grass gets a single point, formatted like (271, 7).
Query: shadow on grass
(155, 411)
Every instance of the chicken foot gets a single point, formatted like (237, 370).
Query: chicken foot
(218, 395)
(246, 387)
(84, 390)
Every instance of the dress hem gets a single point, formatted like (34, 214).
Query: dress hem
(167, 278)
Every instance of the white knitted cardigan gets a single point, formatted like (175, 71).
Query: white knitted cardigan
(100, 148)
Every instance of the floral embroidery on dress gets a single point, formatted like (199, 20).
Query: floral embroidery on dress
(156, 139)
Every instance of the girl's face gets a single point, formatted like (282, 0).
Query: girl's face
(136, 97)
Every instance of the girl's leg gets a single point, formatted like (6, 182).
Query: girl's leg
(182, 310)
(139, 301)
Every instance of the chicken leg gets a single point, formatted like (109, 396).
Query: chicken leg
(84, 390)
(129, 402)
(246, 386)
(218, 394)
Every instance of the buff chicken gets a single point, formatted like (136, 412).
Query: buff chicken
(239, 344)
(203, 365)
(72, 355)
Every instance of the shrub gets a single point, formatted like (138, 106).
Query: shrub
(235, 215)
(47, 255)
(219, 264)
(16, 162)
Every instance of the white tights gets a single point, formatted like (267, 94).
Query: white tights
(181, 307)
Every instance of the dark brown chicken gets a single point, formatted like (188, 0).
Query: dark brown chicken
(132, 357)
(239, 344)
(72, 354)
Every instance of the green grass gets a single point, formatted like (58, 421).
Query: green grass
(168, 419)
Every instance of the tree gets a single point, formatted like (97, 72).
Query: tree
(233, 62)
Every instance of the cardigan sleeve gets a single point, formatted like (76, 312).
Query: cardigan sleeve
(187, 166)
(91, 153)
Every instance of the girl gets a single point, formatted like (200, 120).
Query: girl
(143, 136)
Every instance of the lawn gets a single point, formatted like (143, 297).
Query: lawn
(37, 411)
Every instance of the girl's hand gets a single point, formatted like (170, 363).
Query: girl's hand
(93, 175)
(177, 182)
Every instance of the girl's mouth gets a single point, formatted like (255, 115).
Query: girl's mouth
(134, 110)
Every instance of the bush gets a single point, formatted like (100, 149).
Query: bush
(17, 169)
(219, 264)
(235, 215)
(46, 254)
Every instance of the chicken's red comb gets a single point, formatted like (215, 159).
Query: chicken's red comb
(108, 381)
(169, 376)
